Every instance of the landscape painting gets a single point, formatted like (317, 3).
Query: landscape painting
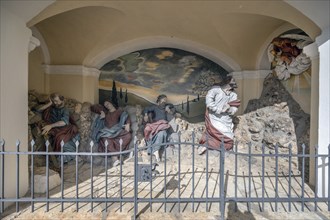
(183, 76)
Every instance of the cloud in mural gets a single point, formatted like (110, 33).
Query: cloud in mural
(164, 54)
(163, 70)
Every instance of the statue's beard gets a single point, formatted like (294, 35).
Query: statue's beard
(162, 105)
(59, 105)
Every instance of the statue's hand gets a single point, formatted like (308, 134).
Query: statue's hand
(46, 129)
(225, 108)
(145, 118)
(127, 127)
(102, 114)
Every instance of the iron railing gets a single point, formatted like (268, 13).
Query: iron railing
(182, 179)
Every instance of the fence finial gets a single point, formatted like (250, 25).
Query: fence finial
(2, 142)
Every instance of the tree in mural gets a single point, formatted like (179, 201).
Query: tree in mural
(188, 104)
(114, 98)
(121, 93)
(206, 80)
(126, 97)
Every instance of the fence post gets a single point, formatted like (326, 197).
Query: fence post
(303, 178)
(329, 178)
(193, 172)
(250, 185)
(121, 174)
(135, 178)
(32, 175)
(222, 182)
(290, 175)
(91, 174)
(2, 143)
(17, 175)
(77, 176)
(62, 175)
(47, 175)
(316, 176)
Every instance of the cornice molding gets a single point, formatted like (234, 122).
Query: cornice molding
(71, 70)
(34, 42)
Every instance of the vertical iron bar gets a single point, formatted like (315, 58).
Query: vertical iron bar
(290, 175)
(32, 175)
(316, 176)
(150, 203)
(276, 176)
(193, 172)
(329, 178)
(17, 175)
(47, 175)
(263, 177)
(121, 174)
(62, 175)
(165, 173)
(2, 173)
(303, 178)
(106, 175)
(250, 162)
(179, 174)
(91, 173)
(135, 178)
(222, 176)
(207, 178)
(77, 179)
(236, 177)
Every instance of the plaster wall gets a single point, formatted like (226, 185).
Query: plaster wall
(250, 85)
(36, 73)
(15, 37)
(80, 87)
(70, 86)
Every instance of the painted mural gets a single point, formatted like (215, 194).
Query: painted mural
(148, 73)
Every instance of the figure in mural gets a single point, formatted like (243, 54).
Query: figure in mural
(286, 56)
(155, 131)
(221, 105)
(59, 126)
(111, 125)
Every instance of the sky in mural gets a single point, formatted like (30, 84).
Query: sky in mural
(164, 70)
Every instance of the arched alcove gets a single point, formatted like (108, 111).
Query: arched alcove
(140, 76)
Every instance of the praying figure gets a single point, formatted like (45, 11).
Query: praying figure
(221, 105)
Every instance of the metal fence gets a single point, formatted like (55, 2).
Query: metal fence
(183, 181)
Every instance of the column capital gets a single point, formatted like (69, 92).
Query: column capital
(33, 43)
(311, 50)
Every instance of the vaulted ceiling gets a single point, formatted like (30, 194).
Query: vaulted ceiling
(92, 32)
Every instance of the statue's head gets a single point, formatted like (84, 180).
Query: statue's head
(229, 81)
(109, 105)
(57, 100)
(161, 100)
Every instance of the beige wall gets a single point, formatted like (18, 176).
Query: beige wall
(80, 87)
(67, 85)
(15, 39)
(250, 85)
(36, 73)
